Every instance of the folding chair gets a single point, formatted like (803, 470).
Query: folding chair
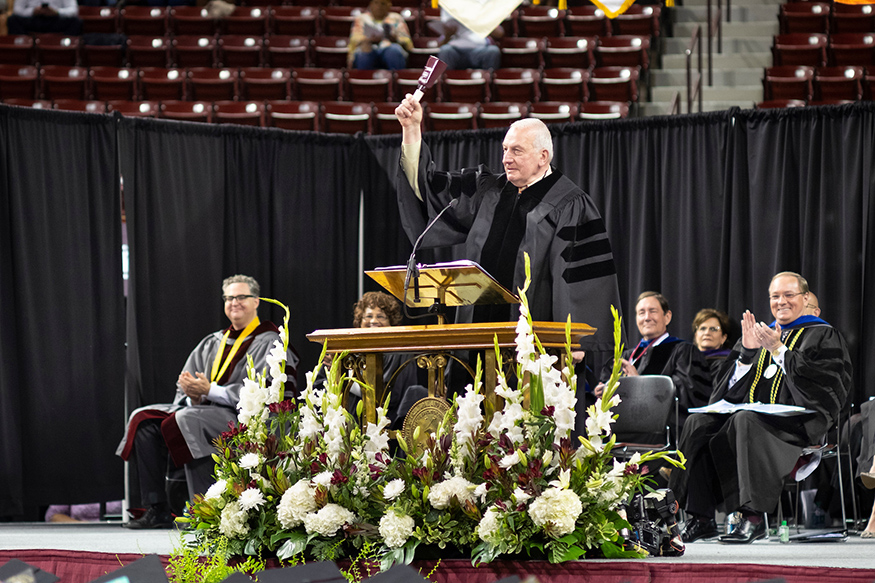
(644, 415)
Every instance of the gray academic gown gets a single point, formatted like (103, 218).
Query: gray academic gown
(200, 424)
(572, 264)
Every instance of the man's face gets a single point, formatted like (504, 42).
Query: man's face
(522, 162)
(786, 299)
(240, 312)
(652, 321)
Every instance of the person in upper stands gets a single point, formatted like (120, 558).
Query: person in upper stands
(659, 353)
(37, 16)
(461, 48)
(379, 38)
(711, 329)
(738, 462)
(207, 393)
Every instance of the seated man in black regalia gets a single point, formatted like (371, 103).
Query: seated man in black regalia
(738, 462)
(658, 353)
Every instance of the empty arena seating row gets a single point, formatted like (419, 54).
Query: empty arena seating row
(822, 17)
(313, 84)
(819, 50)
(340, 117)
(817, 84)
(529, 21)
(232, 50)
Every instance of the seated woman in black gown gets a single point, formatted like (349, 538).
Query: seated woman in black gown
(711, 329)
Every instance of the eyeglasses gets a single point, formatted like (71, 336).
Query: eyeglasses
(787, 296)
(713, 329)
(240, 299)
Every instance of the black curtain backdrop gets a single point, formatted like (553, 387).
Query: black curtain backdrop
(62, 322)
(704, 208)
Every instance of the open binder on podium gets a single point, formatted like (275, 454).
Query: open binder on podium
(440, 285)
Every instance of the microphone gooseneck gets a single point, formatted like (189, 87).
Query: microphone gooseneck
(413, 268)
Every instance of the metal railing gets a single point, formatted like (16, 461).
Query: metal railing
(694, 89)
(674, 107)
(715, 25)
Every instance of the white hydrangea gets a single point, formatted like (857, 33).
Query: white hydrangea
(442, 493)
(296, 502)
(489, 528)
(393, 489)
(251, 498)
(328, 520)
(396, 529)
(323, 478)
(233, 520)
(556, 511)
(216, 490)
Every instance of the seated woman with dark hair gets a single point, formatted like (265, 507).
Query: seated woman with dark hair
(711, 329)
(376, 310)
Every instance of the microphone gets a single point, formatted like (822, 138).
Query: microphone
(412, 268)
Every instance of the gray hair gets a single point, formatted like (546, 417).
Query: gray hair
(803, 283)
(254, 288)
(541, 138)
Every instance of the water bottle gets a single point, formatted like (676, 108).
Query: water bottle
(784, 532)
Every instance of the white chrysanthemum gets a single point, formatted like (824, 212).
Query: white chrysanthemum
(297, 502)
(233, 520)
(328, 520)
(489, 528)
(442, 493)
(250, 461)
(510, 461)
(323, 478)
(396, 529)
(393, 489)
(556, 511)
(216, 490)
(251, 498)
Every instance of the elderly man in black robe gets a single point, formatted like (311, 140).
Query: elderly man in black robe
(738, 462)
(180, 434)
(530, 208)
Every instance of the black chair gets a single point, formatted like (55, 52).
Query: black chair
(645, 411)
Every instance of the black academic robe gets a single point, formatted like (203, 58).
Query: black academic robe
(740, 460)
(572, 264)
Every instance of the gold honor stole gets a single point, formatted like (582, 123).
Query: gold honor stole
(220, 367)
(765, 363)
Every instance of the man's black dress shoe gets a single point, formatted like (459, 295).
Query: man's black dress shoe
(745, 533)
(697, 528)
(154, 517)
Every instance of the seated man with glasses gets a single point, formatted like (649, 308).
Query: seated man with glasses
(162, 439)
(738, 461)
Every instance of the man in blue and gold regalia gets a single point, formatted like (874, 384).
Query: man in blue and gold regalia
(738, 462)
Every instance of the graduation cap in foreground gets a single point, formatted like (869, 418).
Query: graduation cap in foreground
(146, 570)
(322, 572)
(16, 571)
(399, 574)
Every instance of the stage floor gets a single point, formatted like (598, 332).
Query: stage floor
(855, 553)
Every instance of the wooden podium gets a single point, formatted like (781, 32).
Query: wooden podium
(434, 342)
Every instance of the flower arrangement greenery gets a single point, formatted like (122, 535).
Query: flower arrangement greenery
(304, 476)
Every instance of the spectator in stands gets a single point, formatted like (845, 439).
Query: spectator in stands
(36, 16)
(659, 353)
(738, 462)
(207, 393)
(379, 38)
(461, 48)
(711, 329)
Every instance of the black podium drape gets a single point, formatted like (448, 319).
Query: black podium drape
(62, 316)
